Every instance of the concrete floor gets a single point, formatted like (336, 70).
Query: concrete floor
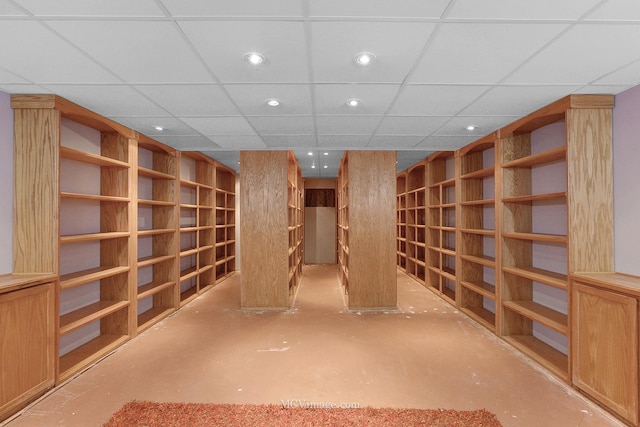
(424, 355)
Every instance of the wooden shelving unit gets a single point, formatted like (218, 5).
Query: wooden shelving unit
(479, 281)
(401, 208)
(225, 223)
(367, 229)
(416, 231)
(295, 212)
(157, 196)
(441, 254)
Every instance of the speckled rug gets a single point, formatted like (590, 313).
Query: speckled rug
(153, 414)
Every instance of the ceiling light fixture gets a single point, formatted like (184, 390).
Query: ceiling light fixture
(310, 153)
(313, 166)
(365, 58)
(325, 166)
(471, 127)
(273, 102)
(353, 102)
(255, 58)
(160, 128)
(326, 154)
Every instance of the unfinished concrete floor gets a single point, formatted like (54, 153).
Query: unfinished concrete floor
(424, 355)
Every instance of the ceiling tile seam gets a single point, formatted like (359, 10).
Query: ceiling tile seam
(308, 36)
(592, 82)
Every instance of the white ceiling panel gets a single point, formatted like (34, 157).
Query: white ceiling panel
(137, 51)
(9, 9)
(516, 101)
(331, 125)
(484, 125)
(332, 98)
(200, 8)
(581, 55)
(281, 42)
(417, 126)
(395, 142)
(189, 143)
(290, 141)
(445, 143)
(230, 159)
(23, 88)
(604, 89)
(111, 100)
(252, 99)
(475, 53)
(190, 100)
(99, 8)
(9, 77)
(521, 9)
(240, 142)
(377, 8)
(617, 10)
(146, 125)
(48, 56)
(396, 46)
(347, 142)
(220, 125)
(629, 74)
(283, 125)
(431, 100)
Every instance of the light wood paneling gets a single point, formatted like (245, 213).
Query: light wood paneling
(264, 229)
(372, 229)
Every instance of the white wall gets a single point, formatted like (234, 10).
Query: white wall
(626, 180)
(6, 184)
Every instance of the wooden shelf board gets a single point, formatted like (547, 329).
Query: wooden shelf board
(483, 288)
(152, 316)
(156, 232)
(88, 353)
(88, 314)
(481, 173)
(539, 313)
(480, 231)
(150, 173)
(86, 276)
(188, 206)
(550, 278)
(535, 197)
(153, 288)
(189, 183)
(205, 287)
(189, 229)
(149, 202)
(188, 252)
(188, 295)
(536, 237)
(93, 237)
(618, 282)
(444, 183)
(538, 159)
(96, 197)
(449, 295)
(482, 316)
(552, 359)
(188, 273)
(94, 159)
(482, 260)
(480, 202)
(205, 268)
(146, 262)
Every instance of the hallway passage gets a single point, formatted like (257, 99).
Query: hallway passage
(426, 354)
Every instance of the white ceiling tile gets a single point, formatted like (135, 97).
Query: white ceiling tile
(520, 9)
(332, 98)
(188, 142)
(581, 55)
(617, 10)
(378, 8)
(282, 125)
(395, 141)
(435, 99)
(231, 159)
(603, 89)
(417, 126)
(22, 88)
(484, 125)
(241, 142)
(49, 57)
(9, 77)
(347, 142)
(146, 125)
(251, 99)
(396, 46)
(468, 53)
(137, 51)
(92, 8)
(220, 125)
(629, 74)
(9, 9)
(331, 125)
(445, 143)
(234, 8)
(190, 100)
(289, 141)
(516, 101)
(108, 100)
(223, 44)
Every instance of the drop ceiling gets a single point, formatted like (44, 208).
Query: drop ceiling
(440, 66)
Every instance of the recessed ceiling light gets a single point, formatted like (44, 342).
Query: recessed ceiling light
(326, 154)
(310, 153)
(365, 58)
(273, 102)
(325, 166)
(158, 128)
(255, 58)
(471, 127)
(353, 102)
(313, 166)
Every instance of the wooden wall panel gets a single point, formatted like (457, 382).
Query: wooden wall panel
(263, 229)
(36, 220)
(372, 229)
(590, 190)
